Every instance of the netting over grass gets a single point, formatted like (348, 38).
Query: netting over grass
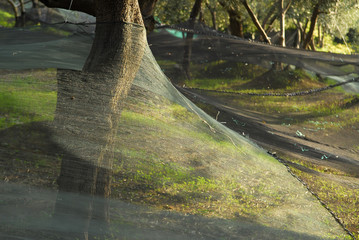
(177, 172)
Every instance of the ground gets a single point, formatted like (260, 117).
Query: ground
(180, 178)
(318, 149)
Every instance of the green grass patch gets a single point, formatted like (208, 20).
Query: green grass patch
(256, 81)
(25, 100)
(341, 199)
(6, 19)
(329, 110)
(146, 178)
(216, 83)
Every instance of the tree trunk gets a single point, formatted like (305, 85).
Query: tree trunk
(269, 14)
(270, 24)
(88, 6)
(87, 115)
(282, 11)
(313, 21)
(213, 12)
(235, 23)
(19, 15)
(282, 23)
(235, 19)
(189, 38)
(255, 21)
(147, 7)
(297, 40)
(301, 32)
(312, 45)
(320, 36)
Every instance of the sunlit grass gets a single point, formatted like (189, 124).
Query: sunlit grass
(216, 83)
(341, 199)
(147, 179)
(25, 100)
(163, 157)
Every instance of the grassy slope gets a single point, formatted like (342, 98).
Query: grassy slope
(168, 158)
(327, 113)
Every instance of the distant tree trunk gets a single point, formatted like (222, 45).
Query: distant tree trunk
(313, 21)
(269, 15)
(312, 45)
(189, 38)
(147, 8)
(201, 17)
(270, 25)
(297, 39)
(255, 21)
(87, 116)
(302, 31)
(19, 15)
(213, 12)
(320, 36)
(282, 11)
(35, 3)
(235, 19)
(235, 23)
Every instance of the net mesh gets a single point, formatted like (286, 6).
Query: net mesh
(177, 172)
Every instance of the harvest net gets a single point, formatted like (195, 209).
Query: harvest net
(177, 172)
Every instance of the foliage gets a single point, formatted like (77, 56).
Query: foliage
(6, 19)
(172, 12)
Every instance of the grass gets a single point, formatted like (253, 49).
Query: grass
(330, 110)
(168, 158)
(150, 180)
(341, 199)
(25, 100)
(147, 176)
(247, 81)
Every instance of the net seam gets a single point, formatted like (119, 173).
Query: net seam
(285, 163)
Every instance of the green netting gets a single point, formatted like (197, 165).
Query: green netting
(169, 154)
(177, 172)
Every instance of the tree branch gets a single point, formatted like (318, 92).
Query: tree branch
(255, 21)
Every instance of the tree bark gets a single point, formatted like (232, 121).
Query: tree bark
(269, 14)
(235, 23)
(255, 21)
(147, 8)
(320, 36)
(19, 15)
(282, 11)
(313, 21)
(87, 116)
(297, 40)
(235, 20)
(213, 12)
